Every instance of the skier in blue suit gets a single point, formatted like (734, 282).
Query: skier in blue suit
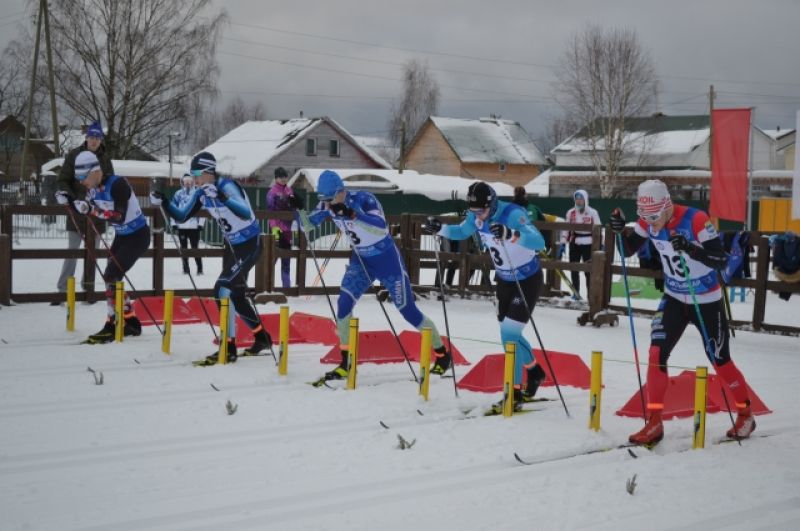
(360, 216)
(513, 244)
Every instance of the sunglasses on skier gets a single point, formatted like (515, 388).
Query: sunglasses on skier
(651, 217)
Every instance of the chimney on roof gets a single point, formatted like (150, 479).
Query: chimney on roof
(301, 114)
(778, 129)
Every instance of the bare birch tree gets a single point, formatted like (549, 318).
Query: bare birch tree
(605, 78)
(211, 124)
(420, 99)
(140, 66)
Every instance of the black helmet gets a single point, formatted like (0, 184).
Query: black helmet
(481, 195)
(203, 162)
(280, 171)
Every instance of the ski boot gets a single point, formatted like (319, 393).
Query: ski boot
(263, 341)
(105, 335)
(212, 359)
(443, 361)
(497, 407)
(339, 373)
(745, 424)
(536, 376)
(133, 327)
(652, 432)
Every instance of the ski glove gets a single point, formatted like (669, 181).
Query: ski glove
(63, 198)
(432, 225)
(81, 206)
(617, 221)
(276, 233)
(681, 244)
(340, 209)
(156, 198)
(212, 192)
(500, 231)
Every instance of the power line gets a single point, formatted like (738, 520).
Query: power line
(385, 78)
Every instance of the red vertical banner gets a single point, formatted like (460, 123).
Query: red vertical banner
(730, 151)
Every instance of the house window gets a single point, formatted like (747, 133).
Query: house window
(334, 148)
(311, 147)
(502, 167)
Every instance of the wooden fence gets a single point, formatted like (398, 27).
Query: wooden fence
(418, 257)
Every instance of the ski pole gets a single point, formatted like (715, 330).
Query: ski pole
(444, 311)
(544, 256)
(535, 330)
(83, 237)
(191, 278)
(620, 248)
(708, 344)
(321, 270)
(385, 313)
(125, 275)
(316, 264)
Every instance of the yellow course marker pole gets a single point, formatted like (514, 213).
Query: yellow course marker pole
(595, 390)
(224, 309)
(120, 323)
(700, 391)
(169, 298)
(508, 380)
(283, 354)
(71, 304)
(425, 362)
(353, 354)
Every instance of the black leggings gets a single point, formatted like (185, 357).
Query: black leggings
(125, 250)
(580, 253)
(237, 261)
(671, 319)
(511, 305)
(186, 237)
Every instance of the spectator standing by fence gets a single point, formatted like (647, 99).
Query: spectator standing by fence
(189, 230)
(579, 241)
(66, 182)
(281, 198)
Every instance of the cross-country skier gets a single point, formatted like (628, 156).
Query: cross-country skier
(684, 238)
(226, 201)
(513, 243)
(359, 215)
(111, 198)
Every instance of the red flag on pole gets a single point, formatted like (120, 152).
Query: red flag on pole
(730, 150)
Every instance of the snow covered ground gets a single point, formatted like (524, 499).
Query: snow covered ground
(153, 448)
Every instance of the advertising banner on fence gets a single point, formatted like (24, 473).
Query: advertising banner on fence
(730, 152)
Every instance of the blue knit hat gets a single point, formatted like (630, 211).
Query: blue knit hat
(95, 130)
(329, 185)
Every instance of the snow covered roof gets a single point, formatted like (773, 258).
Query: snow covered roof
(488, 140)
(540, 185)
(437, 187)
(245, 149)
(775, 134)
(133, 168)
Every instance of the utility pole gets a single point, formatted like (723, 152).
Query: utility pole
(402, 164)
(42, 15)
(711, 96)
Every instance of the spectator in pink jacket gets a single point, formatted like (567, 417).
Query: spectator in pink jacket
(281, 198)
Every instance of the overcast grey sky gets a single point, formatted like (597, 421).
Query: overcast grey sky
(341, 57)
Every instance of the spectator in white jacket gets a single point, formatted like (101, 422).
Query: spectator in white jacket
(189, 230)
(580, 241)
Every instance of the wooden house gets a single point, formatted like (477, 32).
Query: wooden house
(488, 149)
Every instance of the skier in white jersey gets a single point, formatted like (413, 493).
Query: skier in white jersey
(684, 238)
(360, 217)
(513, 243)
(227, 202)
